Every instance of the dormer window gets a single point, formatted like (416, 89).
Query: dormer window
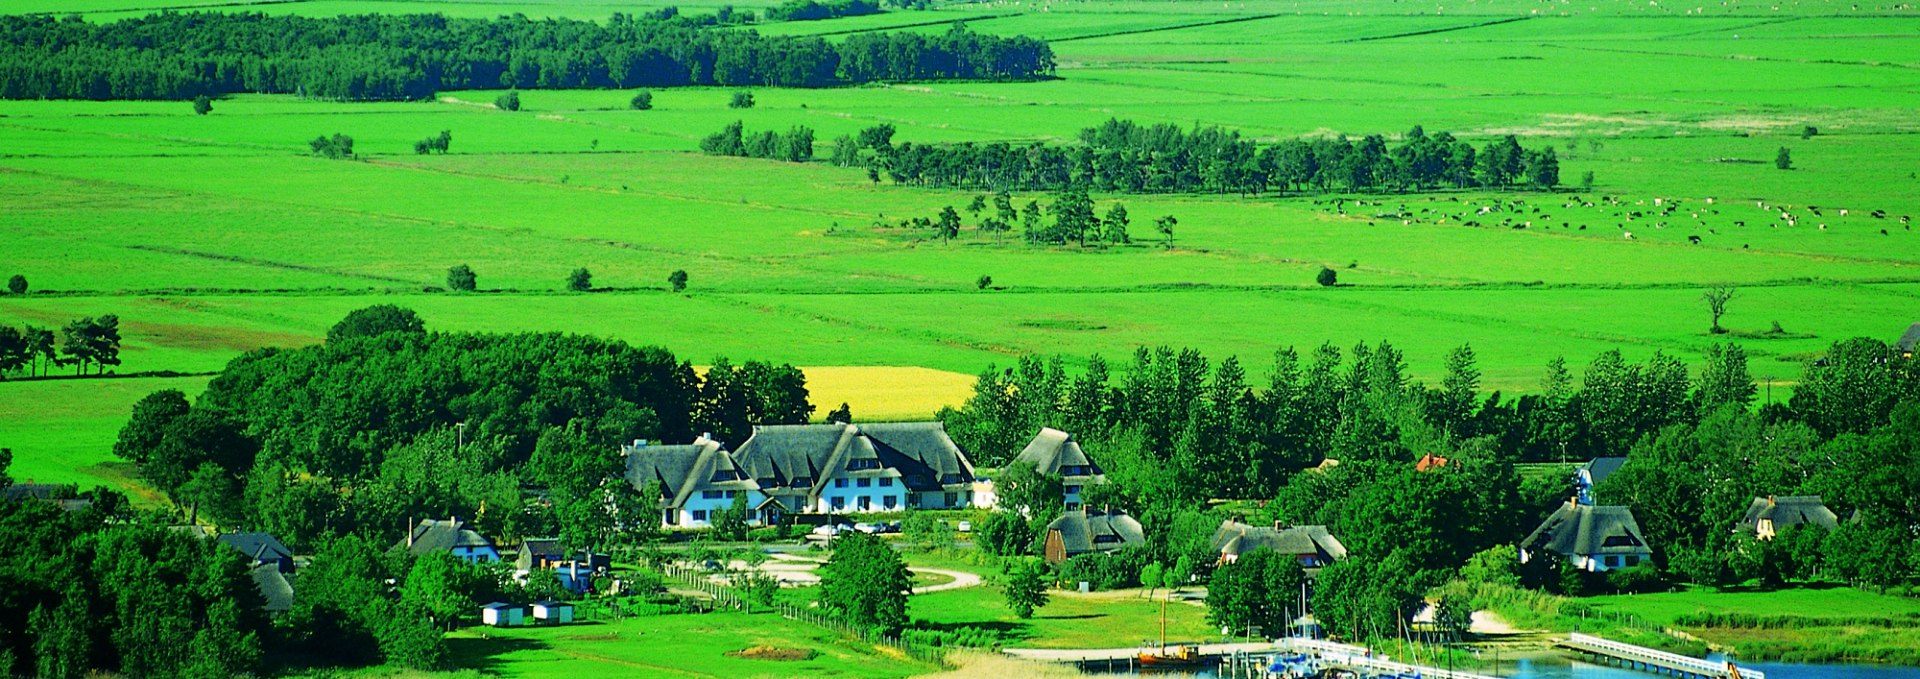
(802, 482)
(1105, 539)
(725, 475)
(1620, 541)
(858, 465)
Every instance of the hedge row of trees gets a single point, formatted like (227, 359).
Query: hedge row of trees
(811, 10)
(375, 57)
(1122, 156)
(84, 342)
(796, 146)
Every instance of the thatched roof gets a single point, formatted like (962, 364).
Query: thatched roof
(1909, 340)
(1576, 529)
(1097, 531)
(432, 535)
(1055, 453)
(1235, 538)
(1787, 510)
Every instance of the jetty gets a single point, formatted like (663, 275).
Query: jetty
(1653, 660)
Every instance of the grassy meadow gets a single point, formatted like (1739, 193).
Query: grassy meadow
(212, 235)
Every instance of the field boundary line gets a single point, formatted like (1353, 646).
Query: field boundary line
(1483, 24)
(1176, 27)
(918, 24)
(162, 249)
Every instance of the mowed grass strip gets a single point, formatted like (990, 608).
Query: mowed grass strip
(692, 645)
(62, 431)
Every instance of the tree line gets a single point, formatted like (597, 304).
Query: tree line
(84, 342)
(796, 146)
(1125, 157)
(812, 10)
(408, 57)
(1175, 430)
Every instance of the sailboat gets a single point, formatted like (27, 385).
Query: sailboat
(1169, 656)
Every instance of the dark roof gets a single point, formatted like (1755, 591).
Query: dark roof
(1788, 510)
(432, 535)
(1097, 531)
(1576, 529)
(39, 491)
(1602, 467)
(1909, 340)
(260, 547)
(1237, 538)
(1052, 449)
(274, 587)
(928, 459)
(919, 453)
(685, 470)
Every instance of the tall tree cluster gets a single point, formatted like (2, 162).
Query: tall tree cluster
(386, 421)
(377, 57)
(796, 146)
(813, 10)
(1126, 157)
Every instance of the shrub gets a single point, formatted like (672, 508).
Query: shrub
(461, 278)
(678, 279)
(202, 105)
(642, 101)
(507, 102)
(1783, 159)
(1328, 277)
(741, 100)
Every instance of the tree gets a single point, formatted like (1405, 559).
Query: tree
(842, 414)
(865, 582)
(93, 341)
(1783, 159)
(1116, 225)
(1716, 299)
(1004, 533)
(1152, 576)
(440, 586)
(202, 105)
(39, 343)
(949, 224)
(642, 101)
(1026, 588)
(14, 353)
(927, 531)
(461, 278)
(337, 147)
(1260, 589)
(507, 102)
(1586, 180)
(731, 523)
(741, 100)
(984, 282)
(1022, 488)
(678, 279)
(1165, 226)
(377, 320)
(976, 206)
(1724, 378)
(580, 280)
(1327, 277)
(17, 284)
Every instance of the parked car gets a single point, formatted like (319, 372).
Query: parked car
(829, 530)
(870, 528)
(966, 526)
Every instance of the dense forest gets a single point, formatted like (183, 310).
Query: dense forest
(810, 10)
(1176, 430)
(374, 57)
(387, 421)
(1122, 156)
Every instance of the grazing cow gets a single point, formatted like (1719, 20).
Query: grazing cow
(1629, 235)
(1883, 232)
(1740, 223)
(1693, 239)
(1843, 212)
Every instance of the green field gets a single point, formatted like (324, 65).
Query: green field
(671, 645)
(1663, 608)
(212, 235)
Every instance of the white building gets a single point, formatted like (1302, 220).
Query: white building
(811, 469)
(1593, 538)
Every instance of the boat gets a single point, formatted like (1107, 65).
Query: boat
(1169, 655)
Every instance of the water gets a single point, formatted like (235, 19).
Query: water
(1554, 667)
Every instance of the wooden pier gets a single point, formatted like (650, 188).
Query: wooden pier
(1650, 660)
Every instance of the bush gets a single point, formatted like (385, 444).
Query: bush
(202, 105)
(642, 101)
(507, 102)
(678, 279)
(1784, 159)
(1644, 577)
(741, 100)
(461, 278)
(1104, 571)
(1327, 278)
(580, 280)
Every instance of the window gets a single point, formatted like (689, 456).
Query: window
(839, 483)
(725, 475)
(802, 482)
(1073, 506)
(886, 483)
(839, 503)
(699, 515)
(869, 463)
(710, 494)
(953, 478)
(865, 503)
(863, 483)
(1633, 560)
(1613, 561)
(1071, 490)
(732, 493)
(889, 501)
(952, 499)
(1105, 539)
(1620, 541)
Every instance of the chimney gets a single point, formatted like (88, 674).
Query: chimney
(409, 532)
(1770, 501)
(1278, 526)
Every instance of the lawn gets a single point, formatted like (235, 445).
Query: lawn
(693, 645)
(1070, 620)
(1830, 601)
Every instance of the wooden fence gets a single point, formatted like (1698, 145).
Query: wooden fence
(726, 597)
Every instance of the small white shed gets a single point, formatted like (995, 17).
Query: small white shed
(557, 612)
(500, 614)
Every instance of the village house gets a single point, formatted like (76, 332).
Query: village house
(575, 570)
(269, 563)
(1089, 531)
(1312, 546)
(1430, 462)
(1589, 476)
(1592, 538)
(1055, 453)
(451, 536)
(808, 469)
(64, 496)
(1767, 516)
(502, 614)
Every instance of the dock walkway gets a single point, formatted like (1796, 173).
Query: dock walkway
(1651, 660)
